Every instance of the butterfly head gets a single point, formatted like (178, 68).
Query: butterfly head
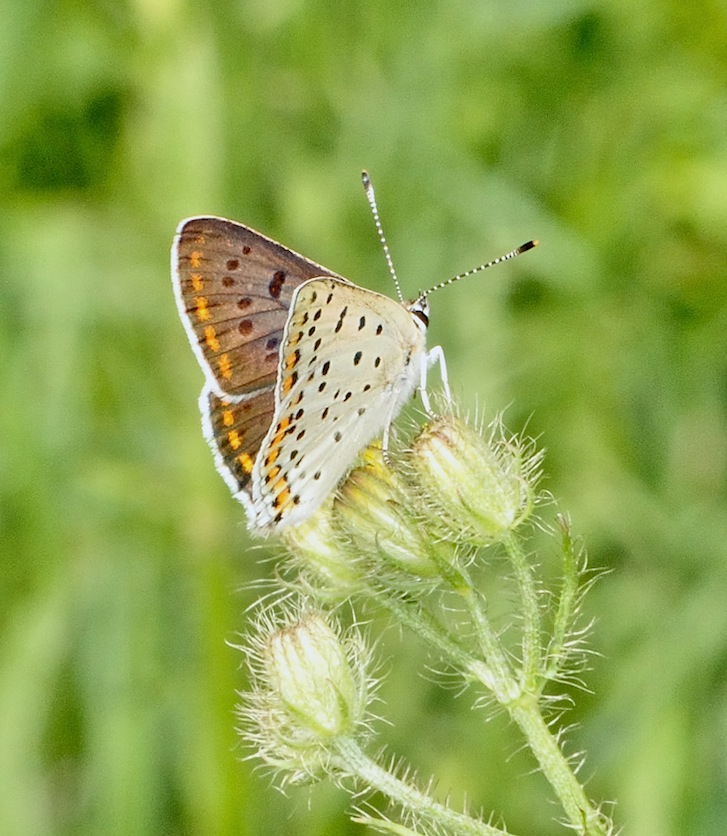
(419, 309)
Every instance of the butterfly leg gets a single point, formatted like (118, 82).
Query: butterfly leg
(434, 356)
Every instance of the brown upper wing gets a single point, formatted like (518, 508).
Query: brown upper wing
(233, 288)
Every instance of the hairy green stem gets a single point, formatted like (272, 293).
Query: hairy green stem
(579, 810)
(432, 633)
(531, 663)
(523, 707)
(354, 761)
(503, 684)
(567, 605)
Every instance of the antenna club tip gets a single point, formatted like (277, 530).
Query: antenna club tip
(528, 246)
(365, 179)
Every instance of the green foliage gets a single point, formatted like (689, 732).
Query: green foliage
(598, 128)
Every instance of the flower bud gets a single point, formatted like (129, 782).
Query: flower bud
(310, 691)
(375, 509)
(322, 556)
(479, 489)
(308, 669)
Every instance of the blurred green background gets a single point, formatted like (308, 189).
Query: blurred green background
(599, 127)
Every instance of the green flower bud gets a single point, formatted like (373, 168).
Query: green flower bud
(308, 669)
(375, 509)
(322, 556)
(310, 690)
(478, 488)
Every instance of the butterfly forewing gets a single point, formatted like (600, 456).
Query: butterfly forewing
(350, 359)
(234, 288)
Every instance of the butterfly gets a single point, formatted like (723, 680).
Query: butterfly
(302, 367)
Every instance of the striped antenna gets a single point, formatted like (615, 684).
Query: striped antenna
(371, 197)
(518, 251)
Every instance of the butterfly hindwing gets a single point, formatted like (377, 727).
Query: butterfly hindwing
(235, 430)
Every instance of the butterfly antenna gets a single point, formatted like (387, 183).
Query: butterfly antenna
(371, 197)
(518, 251)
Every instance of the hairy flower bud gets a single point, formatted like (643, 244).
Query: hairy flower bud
(478, 488)
(322, 556)
(308, 668)
(310, 689)
(377, 511)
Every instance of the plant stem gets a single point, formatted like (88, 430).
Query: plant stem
(567, 605)
(579, 810)
(531, 665)
(423, 624)
(353, 761)
(502, 684)
(432, 633)
(523, 707)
